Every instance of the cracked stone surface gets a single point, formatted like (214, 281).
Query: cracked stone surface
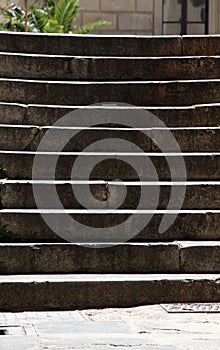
(141, 328)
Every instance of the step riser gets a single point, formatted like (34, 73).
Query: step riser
(143, 46)
(127, 258)
(173, 117)
(72, 68)
(75, 259)
(204, 45)
(200, 259)
(28, 139)
(102, 294)
(94, 45)
(139, 94)
(185, 227)
(19, 166)
(21, 196)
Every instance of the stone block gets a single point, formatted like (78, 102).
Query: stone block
(91, 5)
(201, 46)
(70, 258)
(118, 5)
(90, 17)
(57, 44)
(190, 226)
(145, 5)
(136, 22)
(45, 292)
(15, 194)
(175, 93)
(199, 257)
(19, 165)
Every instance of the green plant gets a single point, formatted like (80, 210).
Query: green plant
(51, 17)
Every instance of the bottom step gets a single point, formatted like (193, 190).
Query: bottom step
(84, 291)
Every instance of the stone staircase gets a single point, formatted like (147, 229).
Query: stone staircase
(45, 77)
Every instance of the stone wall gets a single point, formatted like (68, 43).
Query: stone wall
(126, 16)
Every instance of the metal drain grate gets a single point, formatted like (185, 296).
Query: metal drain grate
(195, 307)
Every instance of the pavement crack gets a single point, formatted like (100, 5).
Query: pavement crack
(118, 345)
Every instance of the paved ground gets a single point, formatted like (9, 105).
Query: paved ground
(147, 327)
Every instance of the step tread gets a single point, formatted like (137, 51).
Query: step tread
(100, 58)
(96, 278)
(119, 82)
(189, 244)
(125, 154)
(92, 245)
(116, 183)
(110, 211)
(179, 243)
(110, 105)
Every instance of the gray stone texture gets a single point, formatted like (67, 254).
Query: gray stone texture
(98, 68)
(17, 194)
(83, 45)
(173, 93)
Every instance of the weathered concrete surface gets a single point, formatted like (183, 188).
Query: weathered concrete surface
(41, 115)
(28, 226)
(19, 166)
(69, 258)
(19, 194)
(46, 292)
(158, 93)
(25, 138)
(29, 66)
(95, 45)
(204, 115)
(179, 256)
(204, 45)
(147, 327)
(101, 45)
(199, 256)
(54, 99)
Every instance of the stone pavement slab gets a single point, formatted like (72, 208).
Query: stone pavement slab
(141, 328)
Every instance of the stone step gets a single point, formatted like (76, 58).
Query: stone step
(186, 257)
(110, 166)
(110, 45)
(95, 45)
(43, 67)
(151, 93)
(27, 138)
(71, 258)
(195, 45)
(88, 291)
(174, 257)
(41, 115)
(199, 257)
(27, 225)
(19, 194)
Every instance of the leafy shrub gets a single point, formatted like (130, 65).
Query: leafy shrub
(50, 17)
